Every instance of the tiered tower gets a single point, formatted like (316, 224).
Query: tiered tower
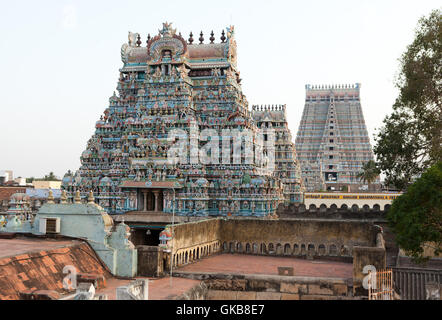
(332, 141)
(286, 164)
(169, 86)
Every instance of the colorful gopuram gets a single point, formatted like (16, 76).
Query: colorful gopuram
(173, 90)
(286, 164)
(332, 143)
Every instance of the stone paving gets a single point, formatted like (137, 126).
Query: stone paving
(250, 264)
(159, 289)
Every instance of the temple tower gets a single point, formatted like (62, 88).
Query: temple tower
(332, 141)
(286, 164)
(171, 91)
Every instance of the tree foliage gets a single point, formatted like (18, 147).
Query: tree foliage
(369, 172)
(410, 140)
(416, 216)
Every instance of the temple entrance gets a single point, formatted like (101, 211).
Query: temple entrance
(145, 236)
(150, 200)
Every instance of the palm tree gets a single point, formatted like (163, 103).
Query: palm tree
(369, 172)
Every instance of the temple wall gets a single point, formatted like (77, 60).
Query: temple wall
(296, 237)
(194, 240)
(308, 238)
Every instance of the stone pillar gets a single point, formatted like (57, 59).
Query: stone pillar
(148, 200)
(144, 201)
(156, 205)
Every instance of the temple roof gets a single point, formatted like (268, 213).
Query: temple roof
(196, 56)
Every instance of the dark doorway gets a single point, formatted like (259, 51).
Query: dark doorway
(145, 237)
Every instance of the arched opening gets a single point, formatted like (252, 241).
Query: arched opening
(263, 248)
(303, 250)
(287, 249)
(333, 251)
(279, 249)
(311, 250)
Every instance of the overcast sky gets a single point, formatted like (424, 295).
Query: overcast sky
(60, 59)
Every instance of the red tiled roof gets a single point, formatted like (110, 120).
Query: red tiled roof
(43, 270)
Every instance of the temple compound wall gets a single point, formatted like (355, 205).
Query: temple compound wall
(358, 242)
(298, 238)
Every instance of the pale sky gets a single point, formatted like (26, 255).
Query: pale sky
(60, 59)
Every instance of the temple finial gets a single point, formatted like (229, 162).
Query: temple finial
(91, 198)
(148, 38)
(63, 197)
(51, 197)
(223, 37)
(138, 40)
(190, 37)
(201, 38)
(77, 198)
(212, 38)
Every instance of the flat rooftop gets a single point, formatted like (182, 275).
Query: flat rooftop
(251, 264)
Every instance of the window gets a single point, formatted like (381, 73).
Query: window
(331, 140)
(330, 148)
(330, 167)
(331, 133)
(330, 156)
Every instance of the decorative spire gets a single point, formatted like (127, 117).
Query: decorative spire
(51, 197)
(190, 38)
(90, 198)
(63, 197)
(212, 38)
(223, 37)
(77, 198)
(201, 38)
(148, 38)
(138, 40)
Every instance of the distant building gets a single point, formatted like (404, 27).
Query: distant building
(332, 143)
(5, 176)
(38, 184)
(20, 181)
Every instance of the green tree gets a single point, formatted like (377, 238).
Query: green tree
(369, 172)
(410, 140)
(50, 177)
(416, 216)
